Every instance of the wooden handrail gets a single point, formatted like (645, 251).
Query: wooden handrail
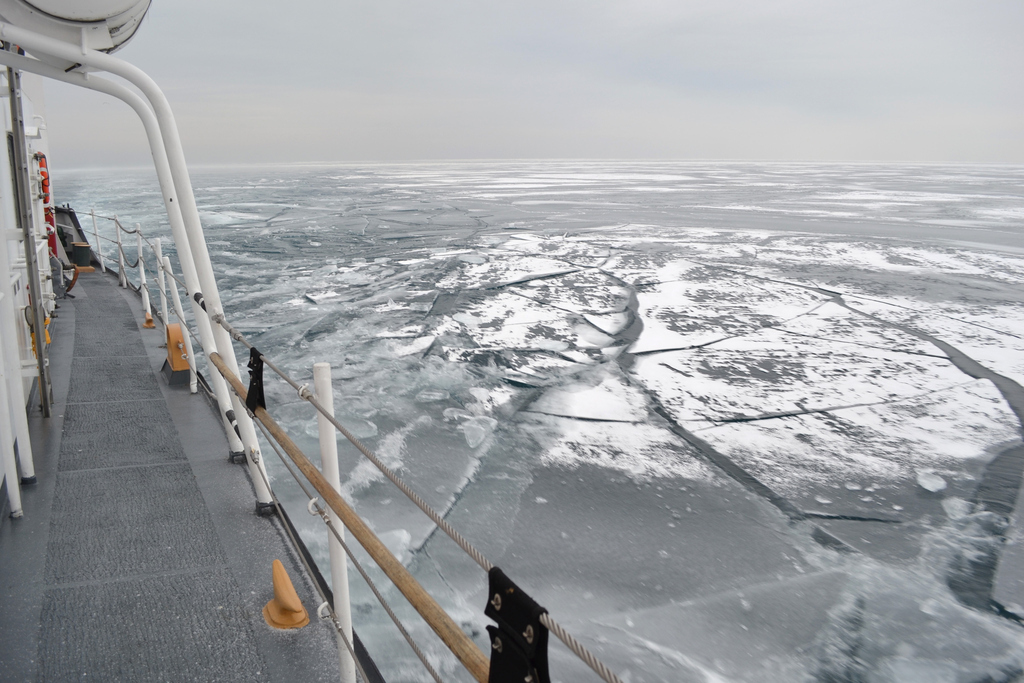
(447, 630)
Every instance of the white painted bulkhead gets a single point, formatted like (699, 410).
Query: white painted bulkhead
(18, 359)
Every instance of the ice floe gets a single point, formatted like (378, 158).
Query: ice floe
(661, 395)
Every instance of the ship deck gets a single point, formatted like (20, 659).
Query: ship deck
(140, 556)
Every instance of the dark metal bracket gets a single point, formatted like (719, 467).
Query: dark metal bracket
(254, 398)
(519, 643)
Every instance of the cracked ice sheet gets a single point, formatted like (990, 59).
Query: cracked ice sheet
(865, 460)
(895, 257)
(600, 395)
(579, 251)
(663, 254)
(507, 320)
(646, 269)
(796, 253)
(774, 372)
(936, 259)
(588, 291)
(911, 631)
(641, 450)
(337, 281)
(866, 255)
(963, 328)
(733, 635)
(497, 273)
(833, 323)
(714, 305)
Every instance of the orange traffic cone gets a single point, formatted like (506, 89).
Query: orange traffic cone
(149, 324)
(285, 610)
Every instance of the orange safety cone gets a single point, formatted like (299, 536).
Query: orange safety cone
(285, 610)
(149, 324)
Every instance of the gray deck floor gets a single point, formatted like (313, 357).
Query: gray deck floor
(140, 556)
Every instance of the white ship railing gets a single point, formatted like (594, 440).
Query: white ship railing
(385, 560)
(176, 189)
(162, 271)
(337, 512)
(272, 433)
(215, 336)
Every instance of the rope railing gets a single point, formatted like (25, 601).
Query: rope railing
(306, 394)
(453, 637)
(166, 270)
(464, 649)
(127, 263)
(122, 228)
(123, 259)
(309, 570)
(322, 513)
(143, 288)
(303, 391)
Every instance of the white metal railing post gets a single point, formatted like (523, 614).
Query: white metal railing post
(339, 566)
(163, 172)
(209, 294)
(120, 255)
(161, 280)
(143, 288)
(169, 160)
(176, 300)
(96, 236)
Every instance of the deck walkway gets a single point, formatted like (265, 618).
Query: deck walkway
(140, 557)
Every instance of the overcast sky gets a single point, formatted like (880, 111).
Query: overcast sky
(361, 80)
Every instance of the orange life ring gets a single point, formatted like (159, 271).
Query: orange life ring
(44, 173)
(48, 214)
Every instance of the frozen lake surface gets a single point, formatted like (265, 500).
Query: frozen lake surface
(727, 422)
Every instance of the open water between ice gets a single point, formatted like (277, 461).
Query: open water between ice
(726, 421)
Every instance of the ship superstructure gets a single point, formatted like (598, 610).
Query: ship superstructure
(716, 453)
(130, 525)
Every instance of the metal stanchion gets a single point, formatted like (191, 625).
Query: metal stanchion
(143, 289)
(96, 236)
(339, 566)
(120, 254)
(161, 279)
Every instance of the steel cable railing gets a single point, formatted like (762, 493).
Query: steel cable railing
(162, 268)
(140, 260)
(313, 504)
(309, 570)
(436, 617)
(304, 392)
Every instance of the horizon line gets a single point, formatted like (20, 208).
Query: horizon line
(539, 160)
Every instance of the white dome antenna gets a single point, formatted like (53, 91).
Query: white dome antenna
(103, 25)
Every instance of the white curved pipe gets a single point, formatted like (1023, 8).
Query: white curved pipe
(187, 232)
(163, 173)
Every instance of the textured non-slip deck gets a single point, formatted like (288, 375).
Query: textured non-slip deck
(140, 556)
